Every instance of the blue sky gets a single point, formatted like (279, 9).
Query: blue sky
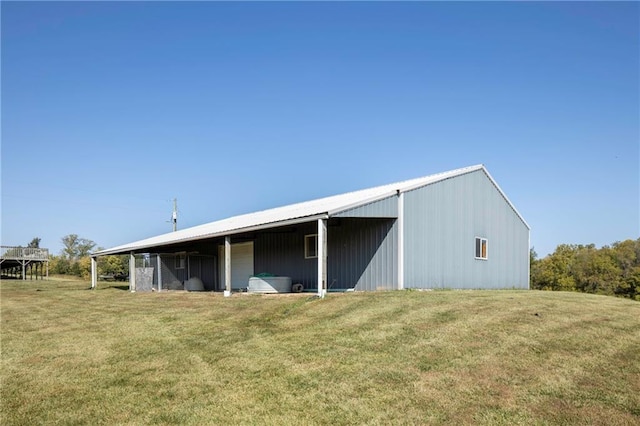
(110, 110)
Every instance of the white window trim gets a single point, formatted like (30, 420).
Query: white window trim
(180, 261)
(306, 246)
(486, 242)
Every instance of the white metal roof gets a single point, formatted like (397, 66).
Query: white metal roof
(293, 213)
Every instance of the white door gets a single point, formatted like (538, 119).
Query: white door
(241, 265)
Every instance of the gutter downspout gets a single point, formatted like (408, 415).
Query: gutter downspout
(400, 240)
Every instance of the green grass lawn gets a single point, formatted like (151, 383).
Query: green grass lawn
(76, 356)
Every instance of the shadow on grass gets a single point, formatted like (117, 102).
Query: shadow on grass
(116, 287)
(45, 289)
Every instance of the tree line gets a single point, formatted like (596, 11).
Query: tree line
(611, 270)
(74, 259)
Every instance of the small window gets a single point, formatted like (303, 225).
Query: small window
(311, 246)
(481, 248)
(180, 261)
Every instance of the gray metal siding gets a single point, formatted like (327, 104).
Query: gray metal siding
(281, 252)
(361, 254)
(172, 278)
(387, 207)
(205, 268)
(441, 223)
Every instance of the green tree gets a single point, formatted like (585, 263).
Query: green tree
(627, 256)
(75, 253)
(554, 271)
(35, 243)
(84, 267)
(595, 271)
(76, 247)
(74, 268)
(533, 256)
(59, 265)
(113, 264)
(534, 269)
(610, 270)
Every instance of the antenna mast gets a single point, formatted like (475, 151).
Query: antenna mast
(174, 215)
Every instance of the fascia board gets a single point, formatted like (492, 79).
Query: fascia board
(361, 203)
(461, 172)
(505, 197)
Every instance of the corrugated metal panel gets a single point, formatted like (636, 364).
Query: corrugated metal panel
(279, 216)
(362, 254)
(203, 267)
(173, 276)
(387, 207)
(441, 223)
(281, 252)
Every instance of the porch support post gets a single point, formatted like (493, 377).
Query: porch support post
(400, 240)
(159, 271)
(24, 270)
(227, 266)
(322, 257)
(132, 272)
(94, 273)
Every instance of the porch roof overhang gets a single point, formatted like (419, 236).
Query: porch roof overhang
(171, 239)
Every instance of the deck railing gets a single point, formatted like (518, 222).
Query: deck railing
(24, 253)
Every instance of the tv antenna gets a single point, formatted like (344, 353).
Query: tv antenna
(174, 215)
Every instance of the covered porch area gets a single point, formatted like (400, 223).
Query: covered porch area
(319, 254)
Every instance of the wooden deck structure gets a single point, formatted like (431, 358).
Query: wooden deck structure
(14, 262)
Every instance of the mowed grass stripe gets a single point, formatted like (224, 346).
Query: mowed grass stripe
(76, 356)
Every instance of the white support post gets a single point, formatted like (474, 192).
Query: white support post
(227, 266)
(322, 257)
(159, 265)
(24, 270)
(94, 273)
(132, 272)
(400, 241)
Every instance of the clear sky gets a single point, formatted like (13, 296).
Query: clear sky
(110, 110)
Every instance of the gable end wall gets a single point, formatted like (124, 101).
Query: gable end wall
(441, 222)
